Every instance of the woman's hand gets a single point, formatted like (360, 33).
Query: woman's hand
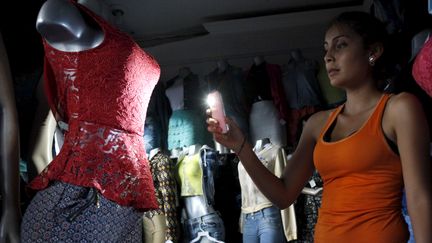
(233, 139)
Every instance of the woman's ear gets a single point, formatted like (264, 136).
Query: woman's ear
(376, 50)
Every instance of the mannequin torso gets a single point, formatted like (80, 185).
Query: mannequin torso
(196, 206)
(80, 47)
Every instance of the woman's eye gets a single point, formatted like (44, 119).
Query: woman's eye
(340, 45)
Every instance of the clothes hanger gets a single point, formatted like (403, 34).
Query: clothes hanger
(206, 235)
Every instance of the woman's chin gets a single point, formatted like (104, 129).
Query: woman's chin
(335, 82)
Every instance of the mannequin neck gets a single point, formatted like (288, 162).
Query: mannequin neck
(184, 72)
(259, 145)
(193, 149)
(297, 55)
(153, 152)
(258, 60)
(69, 31)
(419, 40)
(222, 65)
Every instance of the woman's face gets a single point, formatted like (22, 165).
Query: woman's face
(346, 58)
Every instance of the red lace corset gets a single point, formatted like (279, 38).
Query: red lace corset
(102, 94)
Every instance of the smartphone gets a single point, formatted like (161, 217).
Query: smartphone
(214, 100)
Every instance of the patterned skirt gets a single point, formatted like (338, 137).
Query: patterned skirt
(67, 213)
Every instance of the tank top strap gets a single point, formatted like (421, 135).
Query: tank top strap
(330, 120)
(376, 118)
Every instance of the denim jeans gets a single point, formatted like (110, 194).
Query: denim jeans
(264, 226)
(209, 168)
(211, 223)
(152, 135)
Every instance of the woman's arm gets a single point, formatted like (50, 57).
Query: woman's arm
(9, 154)
(412, 136)
(280, 191)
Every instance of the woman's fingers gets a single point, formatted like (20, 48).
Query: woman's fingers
(212, 121)
(208, 112)
(213, 125)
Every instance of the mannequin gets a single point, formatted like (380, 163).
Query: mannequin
(161, 225)
(222, 65)
(268, 111)
(300, 82)
(258, 60)
(418, 41)
(297, 55)
(184, 72)
(43, 130)
(259, 145)
(195, 173)
(186, 95)
(229, 80)
(195, 206)
(261, 221)
(92, 110)
(302, 90)
(73, 33)
(9, 155)
(156, 123)
(264, 122)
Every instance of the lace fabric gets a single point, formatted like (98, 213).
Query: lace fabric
(102, 94)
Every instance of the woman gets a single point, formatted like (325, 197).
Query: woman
(352, 147)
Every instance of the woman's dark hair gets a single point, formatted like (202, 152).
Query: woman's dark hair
(372, 31)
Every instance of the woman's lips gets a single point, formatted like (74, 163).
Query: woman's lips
(332, 72)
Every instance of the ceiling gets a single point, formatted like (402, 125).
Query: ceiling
(153, 22)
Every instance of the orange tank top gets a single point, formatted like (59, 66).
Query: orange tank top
(363, 185)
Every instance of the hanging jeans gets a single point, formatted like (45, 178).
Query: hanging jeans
(263, 226)
(211, 223)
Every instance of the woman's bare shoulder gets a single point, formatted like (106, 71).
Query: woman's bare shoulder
(402, 103)
(316, 122)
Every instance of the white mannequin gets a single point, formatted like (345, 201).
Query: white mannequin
(175, 90)
(176, 153)
(153, 152)
(193, 149)
(259, 145)
(264, 122)
(258, 60)
(67, 30)
(196, 206)
(418, 41)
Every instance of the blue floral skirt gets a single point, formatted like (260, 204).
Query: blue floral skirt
(68, 213)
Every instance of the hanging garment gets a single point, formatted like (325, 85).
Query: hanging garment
(166, 194)
(422, 68)
(64, 212)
